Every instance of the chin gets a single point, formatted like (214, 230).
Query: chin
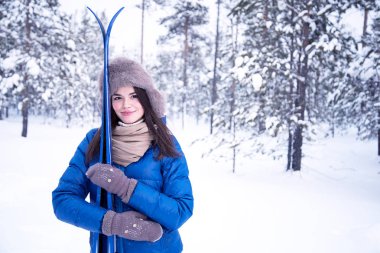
(130, 121)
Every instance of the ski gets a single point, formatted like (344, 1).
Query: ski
(106, 244)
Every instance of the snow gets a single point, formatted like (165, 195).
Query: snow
(33, 67)
(10, 62)
(71, 45)
(46, 95)
(353, 20)
(239, 61)
(257, 81)
(331, 206)
(10, 82)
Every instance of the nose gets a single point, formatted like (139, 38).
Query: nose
(127, 103)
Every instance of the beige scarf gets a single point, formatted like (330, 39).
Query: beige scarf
(130, 142)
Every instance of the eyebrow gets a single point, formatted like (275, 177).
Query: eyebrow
(132, 93)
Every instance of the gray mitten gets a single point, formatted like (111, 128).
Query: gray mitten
(132, 226)
(112, 180)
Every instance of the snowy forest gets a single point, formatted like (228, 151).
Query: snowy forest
(283, 69)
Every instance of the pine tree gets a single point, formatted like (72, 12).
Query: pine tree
(295, 49)
(35, 24)
(368, 80)
(8, 39)
(182, 28)
(85, 64)
(144, 6)
(214, 93)
(356, 93)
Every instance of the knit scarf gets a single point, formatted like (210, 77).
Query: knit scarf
(130, 142)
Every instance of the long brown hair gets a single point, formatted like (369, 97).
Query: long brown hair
(160, 132)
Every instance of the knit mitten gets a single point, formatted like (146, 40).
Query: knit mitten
(112, 180)
(132, 226)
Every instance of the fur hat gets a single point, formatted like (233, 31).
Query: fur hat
(125, 72)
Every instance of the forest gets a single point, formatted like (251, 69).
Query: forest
(284, 69)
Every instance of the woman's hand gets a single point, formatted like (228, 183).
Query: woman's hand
(112, 180)
(132, 226)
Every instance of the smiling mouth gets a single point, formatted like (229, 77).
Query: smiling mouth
(126, 113)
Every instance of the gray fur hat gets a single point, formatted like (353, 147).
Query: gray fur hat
(125, 72)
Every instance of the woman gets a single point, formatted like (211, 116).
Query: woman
(149, 173)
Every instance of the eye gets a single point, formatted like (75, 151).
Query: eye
(115, 98)
(134, 96)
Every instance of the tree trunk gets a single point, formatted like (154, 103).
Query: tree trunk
(266, 17)
(365, 21)
(185, 62)
(142, 31)
(234, 153)
(25, 92)
(378, 132)
(290, 150)
(290, 97)
(25, 107)
(332, 124)
(232, 125)
(300, 101)
(24, 113)
(234, 37)
(213, 88)
(232, 102)
(297, 148)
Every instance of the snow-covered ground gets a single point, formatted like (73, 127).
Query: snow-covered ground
(332, 206)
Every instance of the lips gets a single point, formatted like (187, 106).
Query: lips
(126, 113)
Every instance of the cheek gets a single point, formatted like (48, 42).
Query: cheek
(115, 105)
(138, 104)
(141, 108)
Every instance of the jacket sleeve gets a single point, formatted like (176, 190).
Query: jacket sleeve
(174, 205)
(69, 202)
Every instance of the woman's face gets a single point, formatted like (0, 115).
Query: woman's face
(126, 105)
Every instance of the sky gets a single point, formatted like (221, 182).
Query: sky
(126, 31)
(354, 22)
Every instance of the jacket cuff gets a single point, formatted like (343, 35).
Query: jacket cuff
(131, 188)
(107, 222)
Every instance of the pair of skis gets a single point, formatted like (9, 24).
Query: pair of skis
(106, 244)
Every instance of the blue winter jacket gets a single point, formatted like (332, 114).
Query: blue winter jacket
(163, 194)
